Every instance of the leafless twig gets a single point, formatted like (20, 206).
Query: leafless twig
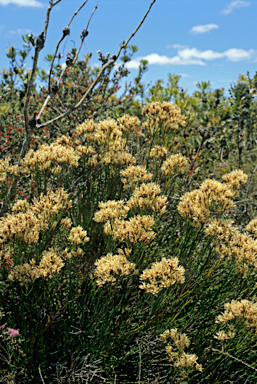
(232, 357)
(66, 32)
(84, 34)
(139, 25)
(76, 12)
(39, 370)
(112, 60)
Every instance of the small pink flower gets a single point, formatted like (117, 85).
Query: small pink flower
(13, 332)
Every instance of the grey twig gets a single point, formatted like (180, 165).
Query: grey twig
(66, 32)
(235, 358)
(111, 61)
(77, 11)
(139, 25)
(84, 34)
(41, 375)
(221, 158)
(255, 169)
(242, 201)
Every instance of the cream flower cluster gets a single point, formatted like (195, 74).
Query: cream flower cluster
(135, 229)
(158, 151)
(177, 356)
(24, 226)
(162, 274)
(174, 161)
(49, 205)
(87, 126)
(162, 113)
(48, 155)
(128, 122)
(234, 180)
(110, 210)
(196, 204)
(109, 266)
(78, 236)
(4, 165)
(147, 196)
(50, 264)
(133, 175)
(245, 310)
(234, 244)
(30, 220)
(107, 135)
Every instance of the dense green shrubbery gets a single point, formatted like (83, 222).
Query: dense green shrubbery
(117, 232)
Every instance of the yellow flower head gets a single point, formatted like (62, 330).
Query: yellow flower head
(132, 175)
(128, 122)
(158, 151)
(110, 210)
(78, 235)
(162, 113)
(234, 180)
(161, 275)
(134, 230)
(109, 266)
(173, 162)
(147, 196)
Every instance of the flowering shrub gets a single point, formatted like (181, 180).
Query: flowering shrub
(115, 235)
(122, 238)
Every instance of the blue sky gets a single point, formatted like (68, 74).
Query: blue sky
(201, 40)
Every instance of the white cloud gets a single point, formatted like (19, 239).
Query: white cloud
(189, 53)
(19, 31)
(156, 59)
(203, 28)
(193, 56)
(235, 4)
(232, 54)
(23, 3)
(176, 46)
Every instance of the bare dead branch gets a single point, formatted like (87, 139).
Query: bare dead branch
(81, 100)
(139, 25)
(28, 128)
(66, 32)
(51, 5)
(39, 45)
(235, 358)
(110, 62)
(77, 11)
(84, 34)
(52, 63)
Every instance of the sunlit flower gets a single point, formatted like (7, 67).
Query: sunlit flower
(173, 162)
(109, 266)
(161, 275)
